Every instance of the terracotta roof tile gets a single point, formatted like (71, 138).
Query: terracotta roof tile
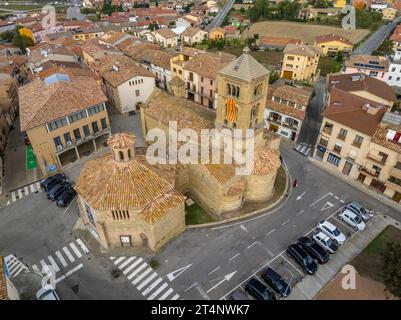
(355, 61)
(302, 49)
(166, 33)
(207, 64)
(332, 37)
(121, 141)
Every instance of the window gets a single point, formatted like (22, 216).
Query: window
(291, 58)
(175, 69)
(211, 82)
(77, 116)
(57, 124)
(343, 133)
(57, 141)
(201, 79)
(358, 141)
(86, 130)
(334, 159)
(67, 138)
(191, 76)
(323, 142)
(103, 123)
(395, 180)
(328, 128)
(201, 90)
(211, 93)
(95, 127)
(95, 109)
(337, 147)
(377, 170)
(120, 214)
(137, 93)
(77, 134)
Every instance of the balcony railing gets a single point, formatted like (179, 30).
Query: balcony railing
(370, 172)
(376, 158)
(76, 142)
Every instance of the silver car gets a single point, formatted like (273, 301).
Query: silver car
(359, 210)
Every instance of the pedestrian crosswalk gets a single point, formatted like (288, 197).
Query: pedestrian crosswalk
(144, 278)
(62, 258)
(24, 191)
(304, 148)
(14, 266)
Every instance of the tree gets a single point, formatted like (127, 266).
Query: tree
(368, 20)
(391, 258)
(289, 10)
(22, 42)
(385, 49)
(274, 76)
(7, 35)
(259, 10)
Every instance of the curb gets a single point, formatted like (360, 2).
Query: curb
(250, 214)
(386, 201)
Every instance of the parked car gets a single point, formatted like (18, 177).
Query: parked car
(358, 209)
(26, 139)
(352, 219)
(47, 294)
(325, 242)
(331, 231)
(65, 198)
(313, 249)
(258, 290)
(51, 181)
(274, 280)
(239, 295)
(54, 192)
(303, 258)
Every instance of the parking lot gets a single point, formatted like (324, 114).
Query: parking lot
(285, 265)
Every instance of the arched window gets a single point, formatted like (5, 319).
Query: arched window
(121, 155)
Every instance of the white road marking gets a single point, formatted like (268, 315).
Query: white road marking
(285, 222)
(234, 256)
(243, 228)
(32, 188)
(157, 292)
(82, 245)
(132, 266)
(36, 269)
(191, 286)
(61, 258)
(142, 275)
(251, 245)
(327, 205)
(214, 270)
(112, 258)
(43, 264)
(147, 280)
(166, 294)
(75, 249)
(69, 273)
(301, 273)
(68, 254)
(337, 198)
(121, 266)
(38, 186)
(54, 264)
(19, 193)
(176, 296)
(318, 199)
(142, 266)
(300, 212)
(152, 286)
(342, 201)
(26, 190)
(270, 232)
(344, 224)
(172, 275)
(13, 196)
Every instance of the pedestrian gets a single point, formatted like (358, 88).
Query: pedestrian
(295, 184)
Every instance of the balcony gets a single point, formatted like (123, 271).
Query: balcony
(292, 127)
(327, 130)
(371, 172)
(76, 142)
(396, 172)
(276, 121)
(376, 158)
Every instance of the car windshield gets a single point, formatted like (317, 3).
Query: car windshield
(362, 210)
(44, 294)
(308, 260)
(357, 220)
(336, 232)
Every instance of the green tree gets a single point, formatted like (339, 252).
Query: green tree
(274, 76)
(22, 42)
(391, 258)
(7, 35)
(289, 10)
(368, 20)
(260, 10)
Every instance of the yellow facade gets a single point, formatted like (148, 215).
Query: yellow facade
(25, 32)
(299, 67)
(176, 65)
(334, 46)
(389, 14)
(216, 33)
(340, 3)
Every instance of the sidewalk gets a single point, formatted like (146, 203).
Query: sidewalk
(310, 286)
(359, 186)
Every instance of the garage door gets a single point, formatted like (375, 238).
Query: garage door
(287, 75)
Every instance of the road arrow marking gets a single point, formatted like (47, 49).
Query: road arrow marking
(301, 195)
(327, 205)
(226, 278)
(172, 275)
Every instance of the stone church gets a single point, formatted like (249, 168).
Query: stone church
(126, 201)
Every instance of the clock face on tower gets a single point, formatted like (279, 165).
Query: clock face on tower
(231, 110)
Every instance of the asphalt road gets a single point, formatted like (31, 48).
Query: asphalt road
(374, 41)
(218, 19)
(34, 230)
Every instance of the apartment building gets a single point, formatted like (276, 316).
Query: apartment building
(393, 76)
(285, 109)
(300, 62)
(176, 63)
(331, 44)
(374, 66)
(126, 85)
(364, 86)
(164, 37)
(217, 33)
(361, 140)
(65, 119)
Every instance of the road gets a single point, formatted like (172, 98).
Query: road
(202, 263)
(374, 41)
(218, 19)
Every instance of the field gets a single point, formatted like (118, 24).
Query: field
(305, 32)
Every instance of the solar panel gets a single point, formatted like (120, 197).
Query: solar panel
(57, 77)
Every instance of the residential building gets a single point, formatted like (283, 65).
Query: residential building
(193, 35)
(339, 3)
(113, 38)
(378, 5)
(374, 66)
(87, 33)
(300, 62)
(125, 202)
(217, 33)
(393, 76)
(164, 37)
(331, 44)
(389, 13)
(286, 108)
(363, 86)
(176, 63)
(265, 42)
(359, 139)
(93, 51)
(125, 84)
(65, 119)
(396, 37)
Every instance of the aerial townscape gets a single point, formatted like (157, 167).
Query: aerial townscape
(200, 150)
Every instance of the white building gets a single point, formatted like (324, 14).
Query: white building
(393, 76)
